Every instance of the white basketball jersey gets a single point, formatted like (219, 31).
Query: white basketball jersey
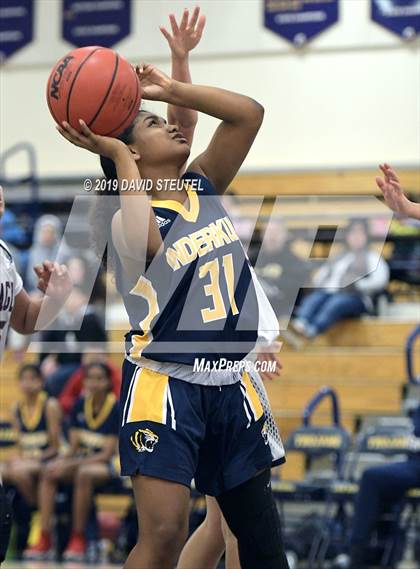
(10, 285)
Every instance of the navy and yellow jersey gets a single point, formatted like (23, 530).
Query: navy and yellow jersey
(93, 430)
(9, 439)
(33, 427)
(199, 297)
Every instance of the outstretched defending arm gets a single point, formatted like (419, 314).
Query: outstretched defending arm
(390, 186)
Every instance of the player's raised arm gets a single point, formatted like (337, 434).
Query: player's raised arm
(390, 187)
(241, 119)
(183, 39)
(134, 229)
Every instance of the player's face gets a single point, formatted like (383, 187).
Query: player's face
(158, 142)
(1, 201)
(30, 383)
(96, 381)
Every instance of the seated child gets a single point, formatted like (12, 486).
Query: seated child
(87, 463)
(37, 420)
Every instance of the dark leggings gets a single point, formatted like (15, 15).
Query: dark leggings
(251, 513)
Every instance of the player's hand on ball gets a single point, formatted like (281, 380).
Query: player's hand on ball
(103, 145)
(186, 35)
(54, 280)
(155, 85)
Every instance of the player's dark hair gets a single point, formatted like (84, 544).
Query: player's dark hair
(36, 370)
(102, 212)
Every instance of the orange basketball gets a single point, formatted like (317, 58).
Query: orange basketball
(97, 85)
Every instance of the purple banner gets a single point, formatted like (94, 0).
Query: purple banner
(299, 21)
(16, 25)
(399, 16)
(96, 22)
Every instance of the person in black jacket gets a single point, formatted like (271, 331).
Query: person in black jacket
(281, 272)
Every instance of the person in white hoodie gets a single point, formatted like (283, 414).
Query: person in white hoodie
(345, 285)
(47, 239)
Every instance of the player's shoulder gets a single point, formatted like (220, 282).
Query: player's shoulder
(200, 183)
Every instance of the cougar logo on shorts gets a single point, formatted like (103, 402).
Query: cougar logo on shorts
(264, 433)
(144, 440)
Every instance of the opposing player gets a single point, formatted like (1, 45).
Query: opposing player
(24, 314)
(191, 295)
(390, 187)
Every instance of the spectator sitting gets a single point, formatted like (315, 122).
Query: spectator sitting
(37, 420)
(87, 464)
(333, 301)
(380, 488)
(280, 271)
(74, 386)
(46, 243)
(58, 367)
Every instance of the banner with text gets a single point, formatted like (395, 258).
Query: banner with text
(299, 21)
(399, 16)
(16, 26)
(96, 22)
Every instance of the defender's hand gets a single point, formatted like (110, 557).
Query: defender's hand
(390, 187)
(54, 280)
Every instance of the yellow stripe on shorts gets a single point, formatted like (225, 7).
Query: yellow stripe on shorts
(252, 397)
(149, 397)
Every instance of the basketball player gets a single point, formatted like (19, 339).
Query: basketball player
(208, 543)
(191, 294)
(393, 194)
(25, 316)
